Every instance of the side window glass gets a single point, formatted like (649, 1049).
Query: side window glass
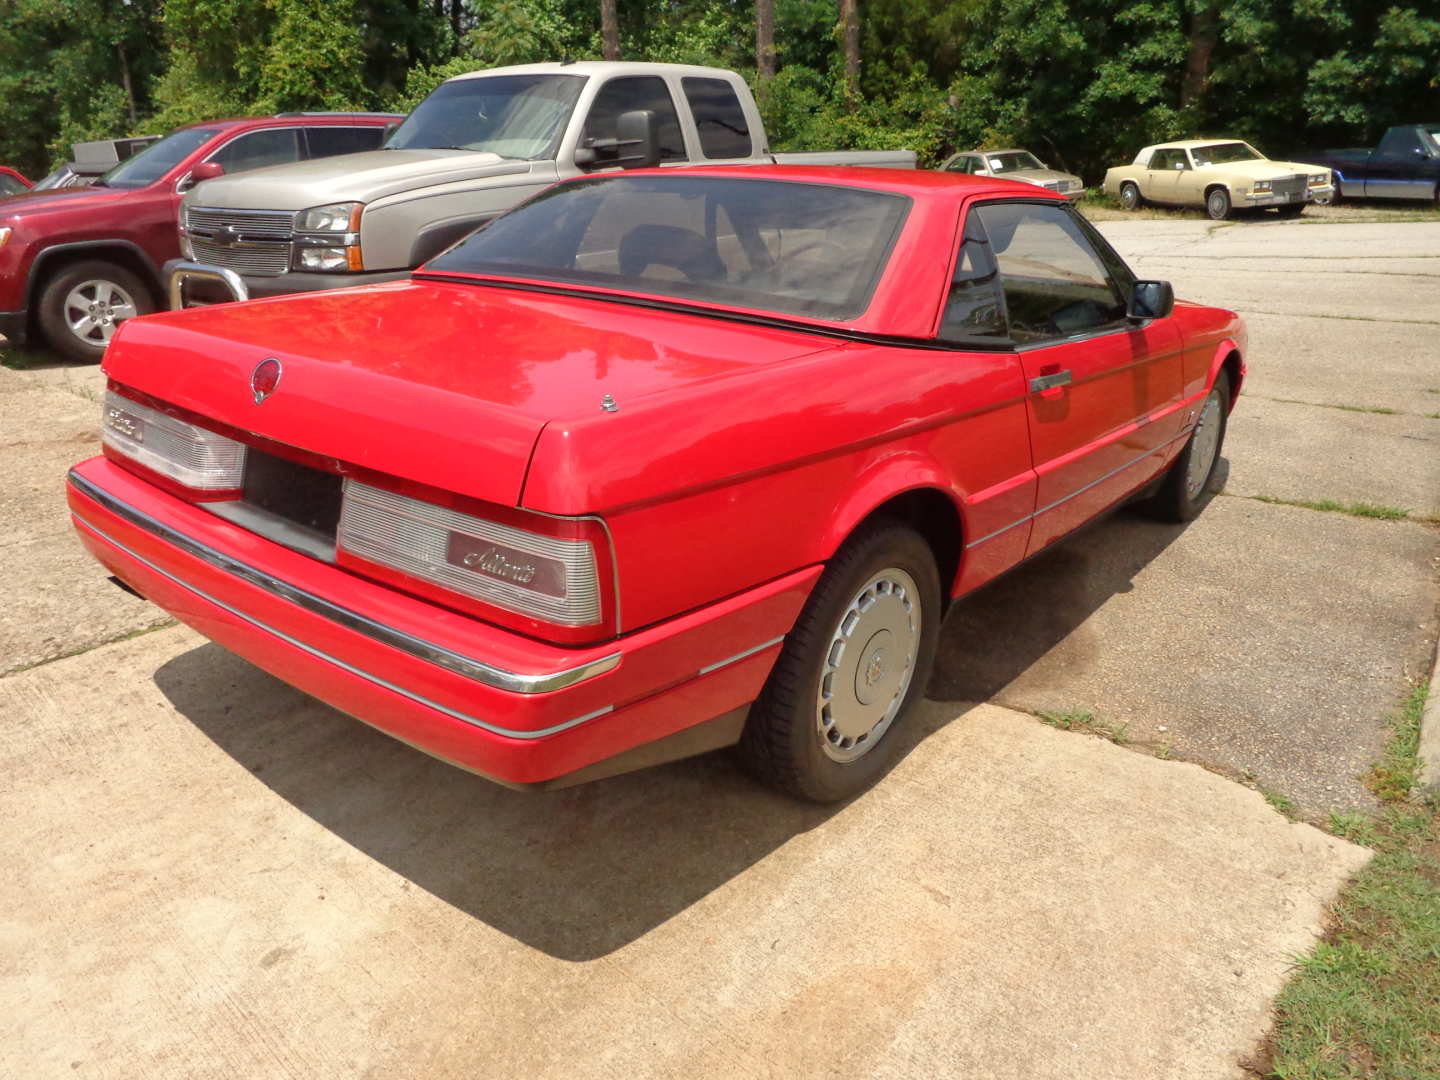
(625, 95)
(1055, 284)
(329, 141)
(718, 117)
(258, 149)
(1160, 159)
(974, 312)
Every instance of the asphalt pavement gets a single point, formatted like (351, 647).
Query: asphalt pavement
(209, 874)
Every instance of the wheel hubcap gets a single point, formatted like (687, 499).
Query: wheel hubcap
(1205, 442)
(868, 666)
(1217, 205)
(94, 308)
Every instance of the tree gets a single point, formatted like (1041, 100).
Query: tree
(609, 30)
(850, 35)
(765, 38)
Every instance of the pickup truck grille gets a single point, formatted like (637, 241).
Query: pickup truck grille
(255, 242)
(260, 225)
(1290, 185)
(264, 260)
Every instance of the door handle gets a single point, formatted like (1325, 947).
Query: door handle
(1049, 379)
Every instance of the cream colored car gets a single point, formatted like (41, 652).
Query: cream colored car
(1222, 175)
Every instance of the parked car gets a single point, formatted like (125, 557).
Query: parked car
(1222, 175)
(12, 182)
(76, 261)
(1015, 165)
(479, 144)
(657, 462)
(1406, 165)
(93, 160)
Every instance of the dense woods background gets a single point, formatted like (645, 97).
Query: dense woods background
(1083, 83)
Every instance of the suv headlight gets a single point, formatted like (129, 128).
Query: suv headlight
(336, 218)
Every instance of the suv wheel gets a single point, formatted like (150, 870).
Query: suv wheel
(81, 306)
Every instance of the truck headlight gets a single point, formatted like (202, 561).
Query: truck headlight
(327, 258)
(1262, 186)
(335, 218)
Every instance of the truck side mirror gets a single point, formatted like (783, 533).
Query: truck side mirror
(635, 133)
(1151, 300)
(206, 170)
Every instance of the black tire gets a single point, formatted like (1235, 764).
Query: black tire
(1130, 196)
(1217, 204)
(96, 283)
(1293, 211)
(783, 744)
(1178, 499)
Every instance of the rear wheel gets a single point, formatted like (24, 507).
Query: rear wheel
(1190, 482)
(854, 665)
(1217, 203)
(1130, 196)
(81, 306)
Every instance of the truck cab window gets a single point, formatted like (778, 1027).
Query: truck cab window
(724, 132)
(626, 95)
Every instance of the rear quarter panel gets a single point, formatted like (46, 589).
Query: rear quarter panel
(734, 484)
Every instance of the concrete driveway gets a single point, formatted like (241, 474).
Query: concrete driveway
(212, 875)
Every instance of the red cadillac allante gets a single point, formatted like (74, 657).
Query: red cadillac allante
(655, 463)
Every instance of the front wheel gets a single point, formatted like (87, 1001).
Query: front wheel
(1190, 482)
(1217, 204)
(1130, 197)
(854, 665)
(1292, 211)
(81, 306)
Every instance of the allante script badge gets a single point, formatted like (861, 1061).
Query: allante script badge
(265, 378)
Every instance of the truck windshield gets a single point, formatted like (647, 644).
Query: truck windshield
(1224, 153)
(515, 116)
(797, 248)
(156, 160)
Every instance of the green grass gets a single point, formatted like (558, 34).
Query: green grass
(1085, 721)
(23, 359)
(1282, 803)
(1335, 506)
(1382, 410)
(1366, 1001)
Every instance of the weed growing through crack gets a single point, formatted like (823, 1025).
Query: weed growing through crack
(1335, 506)
(1395, 775)
(1084, 720)
(1283, 803)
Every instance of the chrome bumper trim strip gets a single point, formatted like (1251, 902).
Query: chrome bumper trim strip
(740, 655)
(509, 733)
(465, 666)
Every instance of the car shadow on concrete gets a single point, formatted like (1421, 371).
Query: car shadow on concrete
(579, 873)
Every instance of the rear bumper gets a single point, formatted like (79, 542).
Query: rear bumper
(518, 711)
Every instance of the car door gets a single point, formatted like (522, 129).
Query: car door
(1103, 391)
(1396, 169)
(1162, 176)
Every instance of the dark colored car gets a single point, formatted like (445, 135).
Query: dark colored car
(75, 261)
(11, 182)
(1406, 165)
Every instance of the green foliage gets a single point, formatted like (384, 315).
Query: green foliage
(1083, 83)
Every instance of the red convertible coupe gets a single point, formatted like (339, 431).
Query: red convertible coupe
(655, 463)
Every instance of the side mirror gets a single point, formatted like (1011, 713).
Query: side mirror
(635, 132)
(1151, 300)
(206, 170)
(585, 155)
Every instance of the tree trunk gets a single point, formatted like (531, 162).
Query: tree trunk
(127, 84)
(609, 30)
(850, 35)
(456, 6)
(765, 38)
(1202, 28)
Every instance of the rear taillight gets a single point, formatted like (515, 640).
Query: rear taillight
(195, 463)
(552, 577)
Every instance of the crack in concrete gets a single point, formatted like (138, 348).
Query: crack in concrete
(83, 649)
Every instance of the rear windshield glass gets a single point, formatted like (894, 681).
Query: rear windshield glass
(156, 160)
(794, 248)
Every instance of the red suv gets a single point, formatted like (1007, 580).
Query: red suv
(76, 261)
